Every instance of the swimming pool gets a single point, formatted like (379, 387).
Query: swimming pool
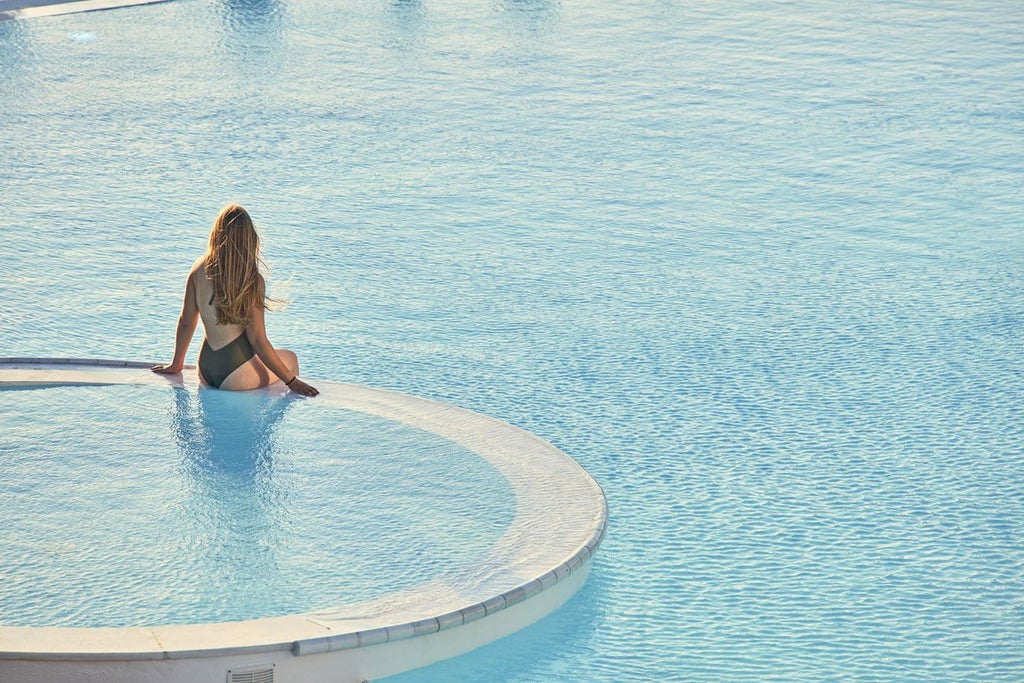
(220, 497)
(756, 268)
(151, 582)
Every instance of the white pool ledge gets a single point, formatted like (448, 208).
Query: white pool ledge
(540, 561)
(32, 9)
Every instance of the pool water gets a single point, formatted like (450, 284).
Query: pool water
(756, 266)
(158, 506)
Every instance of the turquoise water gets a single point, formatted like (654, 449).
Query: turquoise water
(156, 506)
(756, 266)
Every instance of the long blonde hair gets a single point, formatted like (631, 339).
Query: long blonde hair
(233, 264)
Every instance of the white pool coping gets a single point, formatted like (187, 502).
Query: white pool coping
(30, 9)
(560, 520)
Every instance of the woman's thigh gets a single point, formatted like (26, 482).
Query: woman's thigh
(251, 374)
(254, 374)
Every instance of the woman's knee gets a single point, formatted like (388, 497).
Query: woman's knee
(289, 358)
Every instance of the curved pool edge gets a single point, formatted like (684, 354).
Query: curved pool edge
(34, 9)
(537, 564)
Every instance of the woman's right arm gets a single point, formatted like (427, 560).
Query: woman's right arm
(187, 322)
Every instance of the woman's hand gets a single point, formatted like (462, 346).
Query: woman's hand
(167, 369)
(300, 387)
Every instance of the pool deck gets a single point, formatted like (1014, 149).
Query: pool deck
(29, 9)
(539, 562)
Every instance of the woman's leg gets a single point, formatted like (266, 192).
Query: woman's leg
(289, 358)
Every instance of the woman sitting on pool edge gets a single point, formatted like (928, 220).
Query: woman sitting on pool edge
(226, 289)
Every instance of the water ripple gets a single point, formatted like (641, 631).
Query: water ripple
(758, 270)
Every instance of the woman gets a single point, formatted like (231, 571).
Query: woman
(226, 289)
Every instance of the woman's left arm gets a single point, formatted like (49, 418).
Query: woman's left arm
(187, 322)
(256, 331)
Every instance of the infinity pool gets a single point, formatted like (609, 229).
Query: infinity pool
(757, 267)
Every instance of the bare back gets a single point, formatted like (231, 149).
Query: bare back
(216, 334)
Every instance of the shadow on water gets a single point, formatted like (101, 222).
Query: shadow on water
(227, 444)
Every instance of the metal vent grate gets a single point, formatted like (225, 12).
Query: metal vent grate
(253, 674)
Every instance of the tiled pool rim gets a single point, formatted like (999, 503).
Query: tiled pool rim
(561, 516)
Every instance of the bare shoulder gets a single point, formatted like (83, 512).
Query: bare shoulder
(198, 268)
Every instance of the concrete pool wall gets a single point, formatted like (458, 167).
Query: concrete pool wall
(540, 561)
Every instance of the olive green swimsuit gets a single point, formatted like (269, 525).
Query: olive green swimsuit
(216, 365)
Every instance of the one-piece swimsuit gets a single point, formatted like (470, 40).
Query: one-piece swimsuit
(216, 364)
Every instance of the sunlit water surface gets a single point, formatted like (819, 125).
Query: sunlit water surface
(166, 506)
(756, 266)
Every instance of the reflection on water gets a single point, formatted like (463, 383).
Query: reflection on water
(227, 432)
(15, 51)
(407, 8)
(252, 32)
(404, 23)
(227, 445)
(529, 16)
(254, 16)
